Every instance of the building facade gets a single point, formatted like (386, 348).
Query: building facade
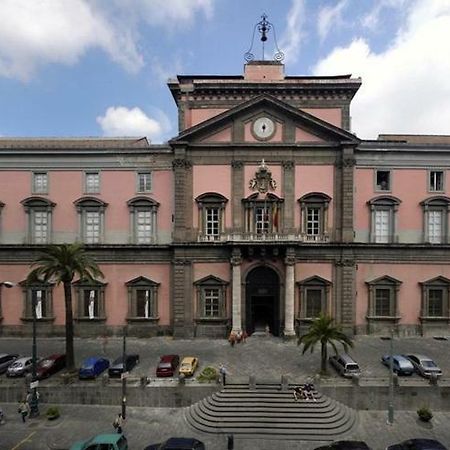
(265, 211)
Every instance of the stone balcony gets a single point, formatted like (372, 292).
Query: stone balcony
(265, 237)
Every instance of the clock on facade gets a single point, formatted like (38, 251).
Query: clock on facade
(263, 128)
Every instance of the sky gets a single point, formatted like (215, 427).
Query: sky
(72, 68)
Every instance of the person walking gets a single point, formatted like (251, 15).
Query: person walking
(223, 374)
(23, 410)
(118, 423)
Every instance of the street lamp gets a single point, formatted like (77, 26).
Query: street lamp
(391, 381)
(34, 402)
(124, 374)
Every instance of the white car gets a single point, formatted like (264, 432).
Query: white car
(19, 367)
(424, 365)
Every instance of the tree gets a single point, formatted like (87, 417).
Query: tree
(61, 264)
(322, 330)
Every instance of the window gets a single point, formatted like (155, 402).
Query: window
(211, 298)
(90, 300)
(314, 294)
(263, 215)
(436, 180)
(39, 212)
(436, 211)
(435, 298)
(92, 182)
(383, 180)
(144, 182)
(143, 212)
(211, 215)
(383, 294)
(142, 299)
(38, 295)
(91, 217)
(314, 216)
(383, 219)
(40, 183)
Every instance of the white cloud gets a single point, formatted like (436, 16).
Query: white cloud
(372, 18)
(328, 17)
(292, 37)
(123, 121)
(404, 86)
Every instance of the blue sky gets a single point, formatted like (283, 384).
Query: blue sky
(99, 67)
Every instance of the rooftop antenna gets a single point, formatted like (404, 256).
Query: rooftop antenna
(264, 27)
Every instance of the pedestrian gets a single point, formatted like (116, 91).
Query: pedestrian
(232, 338)
(23, 410)
(239, 336)
(104, 343)
(244, 336)
(223, 374)
(2, 416)
(118, 423)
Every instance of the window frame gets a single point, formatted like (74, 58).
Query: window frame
(320, 202)
(34, 186)
(145, 190)
(384, 203)
(390, 284)
(135, 285)
(430, 188)
(313, 283)
(272, 203)
(90, 204)
(143, 204)
(209, 201)
(441, 204)
(83, 286)
(28, 288)
(438, 283)
(211, 282)
(377, 186)
(33, 205)
(87, 190)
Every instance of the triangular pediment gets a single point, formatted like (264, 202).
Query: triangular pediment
(293, 126)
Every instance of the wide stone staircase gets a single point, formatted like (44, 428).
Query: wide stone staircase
(270, 410)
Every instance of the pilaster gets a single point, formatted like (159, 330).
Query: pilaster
(345, 313)
(182, 307)
(236, 262)
(237, 193)
(289, 194)
(289, 293)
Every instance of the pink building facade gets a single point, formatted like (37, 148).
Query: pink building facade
(265, 211)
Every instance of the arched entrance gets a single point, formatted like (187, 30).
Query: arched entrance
(262, 299)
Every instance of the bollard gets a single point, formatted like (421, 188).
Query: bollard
(395, 379)
(182, 378)
(105, 379)
(433, 379)
(252, 382)
(284, 383)
(230, 442)
(355, 379)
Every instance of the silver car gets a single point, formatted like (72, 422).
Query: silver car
(6, 359)
(424, 365)
(19, 367)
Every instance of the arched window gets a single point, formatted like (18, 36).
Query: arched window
(383, 223)
(91, 213)
(314, 216)
(211, 216)
(263, 214)
(39, 211)
(435, 211)
(143, 212)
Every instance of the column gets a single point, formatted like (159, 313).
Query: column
(236, 262)
(289, 293)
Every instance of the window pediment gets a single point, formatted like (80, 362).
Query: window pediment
(90, 202)
(210, 280)
(437, 200)
(211, 198)
(384, 200)
(37, 202)
(314, 281)
(315, 197)
(267, 198)
(384, 280)
(437, 281)
(142, 202)
(89, 283)
(141, 281)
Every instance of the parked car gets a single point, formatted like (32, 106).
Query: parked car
(116, 368)
(6, 359)
(418, 444)
(178, 444)
(345, 445)
(400, 364)
(50, 365)
(345, 365)
(188, 365)
(20, 367)
(114, 441)
(424, 366)
(167, 365)
(92, 367)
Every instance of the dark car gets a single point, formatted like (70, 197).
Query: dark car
(418, 444)
(400, 364)
(50, 365)
(167, 365)
(178, 444)
(6, 359)
(116, 368)
(92, 367)
(345, 445)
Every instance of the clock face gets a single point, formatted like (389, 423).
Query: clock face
(264, 128)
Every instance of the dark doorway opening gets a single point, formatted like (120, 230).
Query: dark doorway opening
(262, 301)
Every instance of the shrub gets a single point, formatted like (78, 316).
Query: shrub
(207, 375)
(425, 414)
(52, 412)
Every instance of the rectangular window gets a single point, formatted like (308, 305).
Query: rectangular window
(40, 227)
(262, 219)
(383, 302)
(383, 180)
(144, 227)
(211, 302)
(382, 228)
(313, 221)
(90, 303)
(144, 303)
(212, 222)
(40, 182)
(436, 180)
(39, 300)
(435, 226)
(144, 182)
(92, 180)
(313, 302)
(435, 302)
(92, 227)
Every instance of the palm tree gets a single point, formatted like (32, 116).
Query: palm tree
(322, 330)
(62, 263)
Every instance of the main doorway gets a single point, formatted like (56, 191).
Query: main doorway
(262, 301)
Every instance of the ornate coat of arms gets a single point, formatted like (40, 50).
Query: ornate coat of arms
(263, 181)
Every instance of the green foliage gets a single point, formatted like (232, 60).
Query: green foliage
(323, 331)
(208, 375)
(425, 414)
(52, 412)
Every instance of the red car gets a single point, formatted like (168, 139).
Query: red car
(167, 365)
(50, 365)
